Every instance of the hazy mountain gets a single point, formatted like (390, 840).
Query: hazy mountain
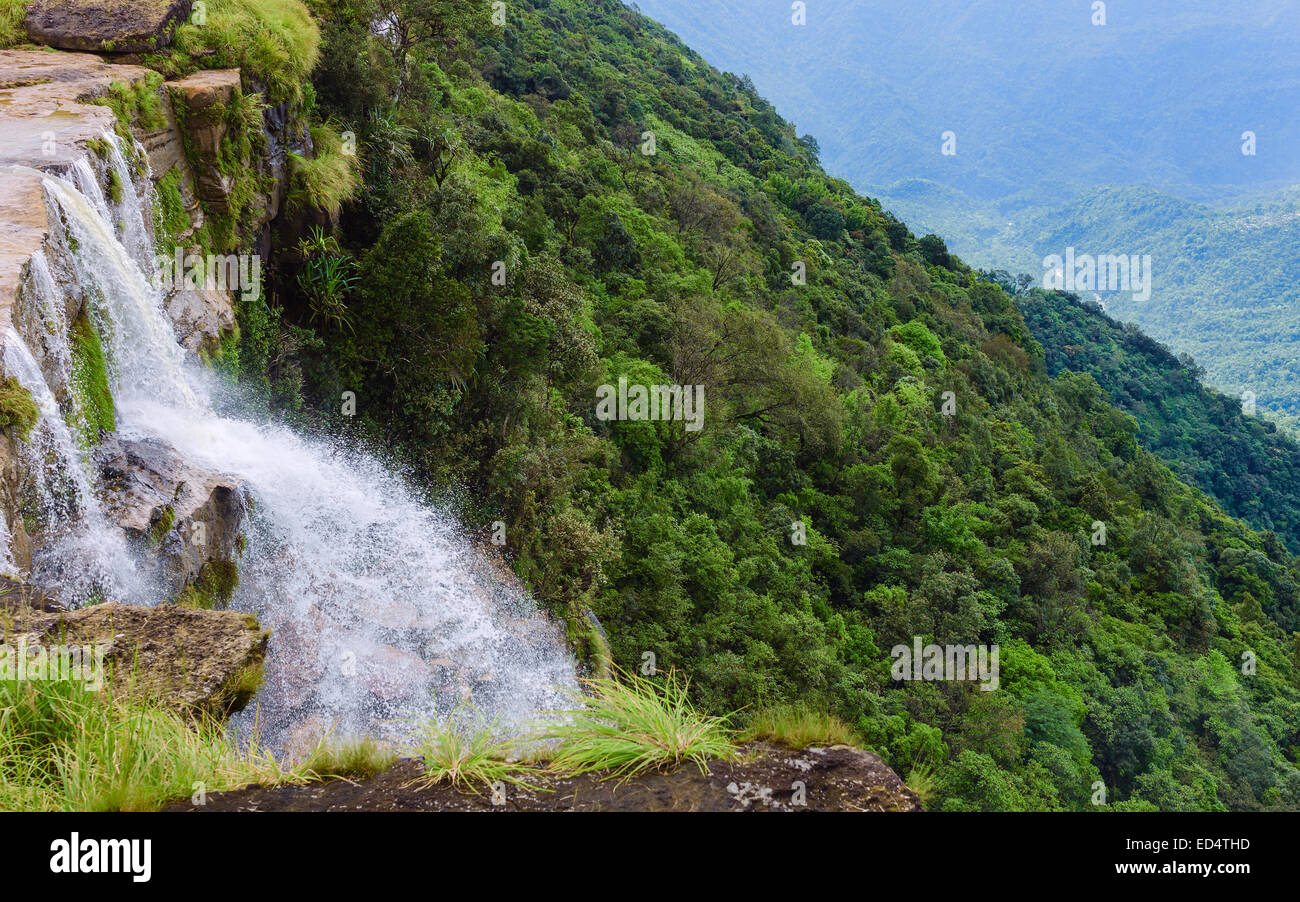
(1055, 121)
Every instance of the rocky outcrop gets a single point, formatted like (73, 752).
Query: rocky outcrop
(764, 778)
(111, 26)
(207, 662)
(189, 516)
(205, 99)
(201, 318)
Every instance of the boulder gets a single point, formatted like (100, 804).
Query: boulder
(207, 662)
(110, 26)
(189, 515)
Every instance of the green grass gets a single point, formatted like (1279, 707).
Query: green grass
(65, 749)
(799, 727)
(273, 42)
(631, 724)
(90, 384)
(466, 753)
(171, 220)
(325, 180)
(138, 105)
(923, 781)
(351, 758)
(17, 408)
(12, 32)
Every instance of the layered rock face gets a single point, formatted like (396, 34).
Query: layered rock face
(50, 124)
(765, 779)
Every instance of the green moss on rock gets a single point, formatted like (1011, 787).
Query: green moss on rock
(17, 408)
(213, 588)
(96, 412)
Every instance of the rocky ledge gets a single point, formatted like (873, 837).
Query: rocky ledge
(764, 778)
(207, 662)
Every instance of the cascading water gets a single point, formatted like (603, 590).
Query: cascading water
(381, 611)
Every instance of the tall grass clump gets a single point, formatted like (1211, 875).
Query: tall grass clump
(467, 753)
(798, 727)
(630, 724)
(275, 43)
(12, 30)
(327, 178)
(348, 758)
(63, 748)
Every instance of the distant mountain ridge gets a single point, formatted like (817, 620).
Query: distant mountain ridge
(1123, 138)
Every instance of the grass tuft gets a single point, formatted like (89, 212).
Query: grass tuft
(798, 727)
(96, 412)
(17, 408)
(325, 180)
(350, 758)
(632, 724)
(275, 43)
(12, 30)
(923, 781)
(467, 753)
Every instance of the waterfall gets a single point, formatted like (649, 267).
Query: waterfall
(382, 613)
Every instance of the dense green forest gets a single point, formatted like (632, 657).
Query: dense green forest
(1210, 440)
(575, 197)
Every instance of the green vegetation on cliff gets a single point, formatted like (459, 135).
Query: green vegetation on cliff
(17, 408)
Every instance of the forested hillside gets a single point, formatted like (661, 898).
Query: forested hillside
(657, 220)
(1210, 440)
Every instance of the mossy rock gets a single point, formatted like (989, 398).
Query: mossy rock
(17, 408)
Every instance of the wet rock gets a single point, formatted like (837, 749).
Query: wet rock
(111, 26)
(18, 596)
(190, 515)
(191, 660)
(388, 672)
(201, 318)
